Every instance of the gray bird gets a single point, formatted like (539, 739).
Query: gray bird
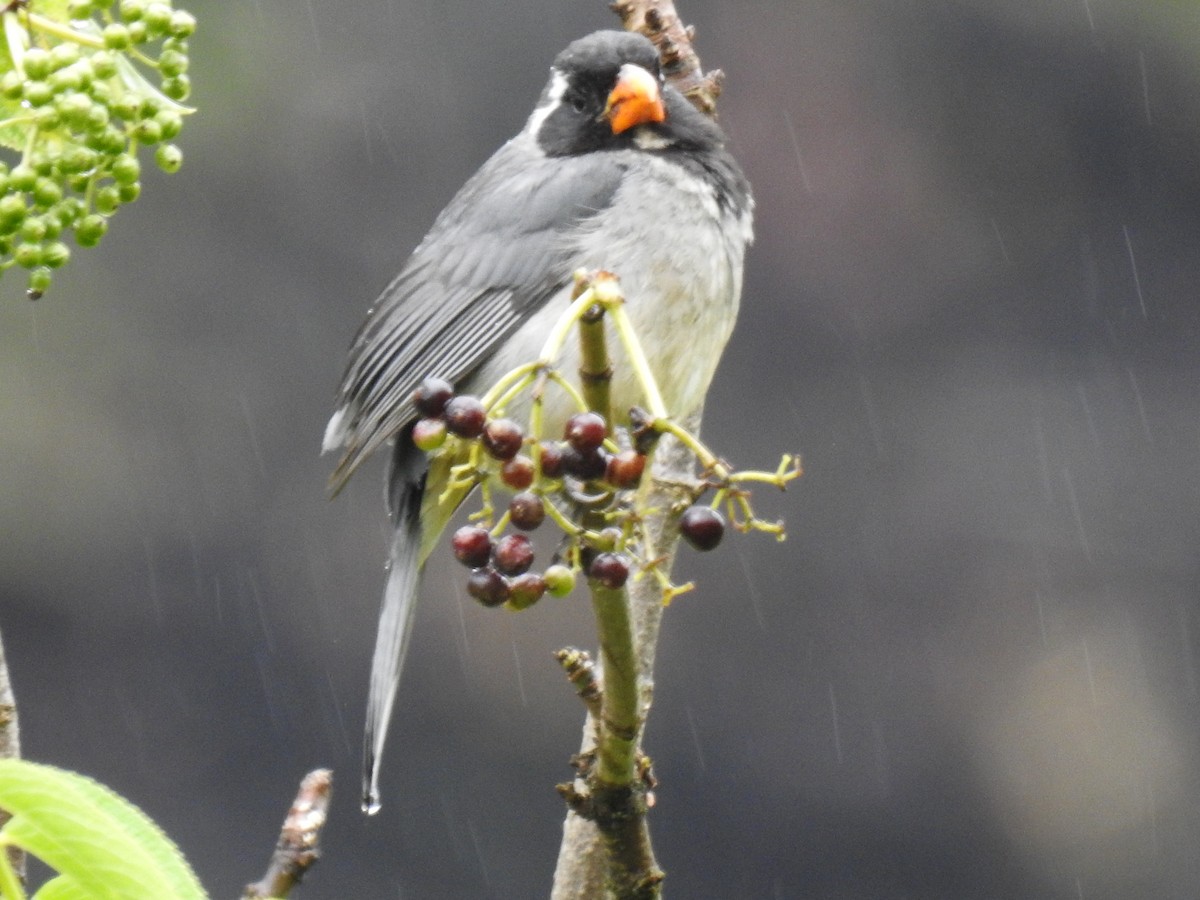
(614, 170)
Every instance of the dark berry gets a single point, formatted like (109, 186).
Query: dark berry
(526, 511)
(472, 546)
(586, 466)
(513, 554)
(431, 397)
(465, 416)
(503, 438)
(585, 431)
(526, 590)
(702, 527)
(559, 580)
(517, 473)
(487, 586)
(552, 460)
(609, 569)
(624, 470)
(429, 434)
(642, 431)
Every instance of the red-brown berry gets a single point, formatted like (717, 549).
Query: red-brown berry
(465, 416)
(610, 570)
(702, 527)
(503, 438)
(431, 397)
(526, 511)
(552, 460)
(526, 590)
(513, 554)
(487, 586)
(429, 434)
(472, 546)
(517, 473)
(624, 470)
(585, 431)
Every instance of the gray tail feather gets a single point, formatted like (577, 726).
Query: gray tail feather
(405, 489)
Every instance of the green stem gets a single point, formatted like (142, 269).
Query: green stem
(620, 719)
(63, 32)
(595, 370)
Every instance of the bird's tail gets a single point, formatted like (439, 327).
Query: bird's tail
(406, 486)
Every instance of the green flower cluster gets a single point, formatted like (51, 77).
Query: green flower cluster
(76, 106)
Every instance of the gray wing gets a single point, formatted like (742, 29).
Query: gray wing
(494, 256)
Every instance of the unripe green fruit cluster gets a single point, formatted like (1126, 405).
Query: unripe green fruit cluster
(75, 105)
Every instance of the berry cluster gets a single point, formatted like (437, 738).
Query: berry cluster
(535, 471)
(76, 107)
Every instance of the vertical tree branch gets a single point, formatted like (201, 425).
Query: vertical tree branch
(299, 839)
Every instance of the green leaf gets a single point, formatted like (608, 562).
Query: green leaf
(101, 845)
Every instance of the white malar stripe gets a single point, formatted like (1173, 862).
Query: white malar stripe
(554, 94)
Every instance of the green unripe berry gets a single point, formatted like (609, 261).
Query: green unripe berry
(79, 9)
(104, 65)
(28, 255)
(97, 118)
(39, 283)
(170, 122)
(132, 10)
(177, 88)
(55, 254)
(169, 158)
(47, 118)
(12, 211)
(138, 32)
(33, 229)
(47, 193)
(75, 108)
(147, 131)
(172, 63)
(38, 93)
(127, 108)
(66, 79)
(77, 160)
(560, 580)
(12, 85)
(90, 229)
(129, 192)
(116, 37)
(126, 169)
(53, 226)
(107, 199)
(64, 54)
(157, 18)
(176, 45)
(183, 24)
(36, 63)
(23, 177)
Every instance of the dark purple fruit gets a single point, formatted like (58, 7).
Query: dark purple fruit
(526, 590)
(552, 460)
(586, 466)
(503, 438)
(526, 511)
(487, 586)
(517, 473)
(624, 470)
(431, 397)
(472, 546)
(610, 570)
(513, 554)
(702, 527)
(465, 416)
(585, 431)
(429, 434)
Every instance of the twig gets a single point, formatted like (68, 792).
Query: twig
(10, 748)
(657, 20)
(298, 846)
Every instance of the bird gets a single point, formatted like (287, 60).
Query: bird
(614, 170)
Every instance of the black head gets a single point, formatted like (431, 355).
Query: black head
(575, 114)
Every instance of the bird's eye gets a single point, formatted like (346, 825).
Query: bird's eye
(578, 103)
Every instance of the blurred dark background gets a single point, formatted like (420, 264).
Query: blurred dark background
(971, 670)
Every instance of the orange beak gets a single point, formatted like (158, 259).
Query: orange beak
(634, 100)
